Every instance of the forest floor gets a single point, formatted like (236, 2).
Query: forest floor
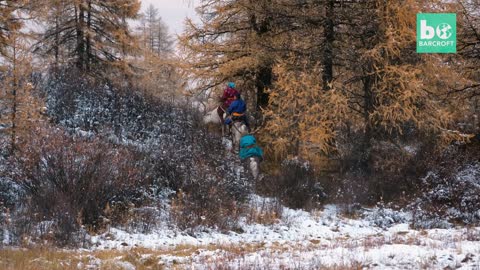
(373, 238)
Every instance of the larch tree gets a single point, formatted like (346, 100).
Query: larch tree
(154, 34)
(302, 117)
(10, 25)
(20, 106)
(151, 19)
(156, 70)
(243, 40)
(469, 50)
(334, 72)
(391, 86)
(52, 14)
(92, 33)
(9, 21)
(381, 87)
(226, 46)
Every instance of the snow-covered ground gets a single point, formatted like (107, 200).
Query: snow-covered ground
(374, 239)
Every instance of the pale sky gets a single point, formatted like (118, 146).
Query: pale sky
(173, 12)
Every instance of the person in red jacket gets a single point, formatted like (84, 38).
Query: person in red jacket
(227, 98)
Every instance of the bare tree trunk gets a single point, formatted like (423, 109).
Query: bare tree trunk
(329, 34)
(57, 41)
(88, 53)
(80, 17)
(367, 138)
(264, 80)
(14, 99)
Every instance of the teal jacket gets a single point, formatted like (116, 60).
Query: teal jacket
(249, 147)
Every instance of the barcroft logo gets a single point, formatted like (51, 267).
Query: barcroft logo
(436, 33)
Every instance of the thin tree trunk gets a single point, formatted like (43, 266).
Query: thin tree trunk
(57, 41)
(329, 34)
(88, 53)
(80, 15)
(14, 100)
(367, 138)
(264, 80)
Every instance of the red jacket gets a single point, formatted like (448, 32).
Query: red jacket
(228, 97)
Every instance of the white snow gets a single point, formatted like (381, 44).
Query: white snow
(304, 240)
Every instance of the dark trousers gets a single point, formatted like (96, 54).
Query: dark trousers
(220, 112)
(243, 118)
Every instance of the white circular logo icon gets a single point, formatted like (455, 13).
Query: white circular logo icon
(444, 31)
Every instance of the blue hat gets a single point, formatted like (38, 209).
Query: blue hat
(231, 84)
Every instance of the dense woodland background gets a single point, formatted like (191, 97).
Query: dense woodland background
(99, 111)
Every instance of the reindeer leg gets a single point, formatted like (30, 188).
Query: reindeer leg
(254, 167)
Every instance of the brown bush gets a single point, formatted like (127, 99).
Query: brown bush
(386, 170)
(295, 184)
(70, 181)
(450, 191)
(173, 150)
(205, 205)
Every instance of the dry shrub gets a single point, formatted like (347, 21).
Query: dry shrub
(10, 192)
(205, 205)
(211, 198)
(214, 186)
(69, 181)
(394, 170)
(387, 170)
(143, 219)
(295, 184)
(266, 211)
(182, 155)
(451, 189)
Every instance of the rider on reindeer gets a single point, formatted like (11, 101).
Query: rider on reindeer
(249, 151)
(227, 99)
(237, 111)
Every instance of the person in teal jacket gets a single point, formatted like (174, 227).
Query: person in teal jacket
(249, 148)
